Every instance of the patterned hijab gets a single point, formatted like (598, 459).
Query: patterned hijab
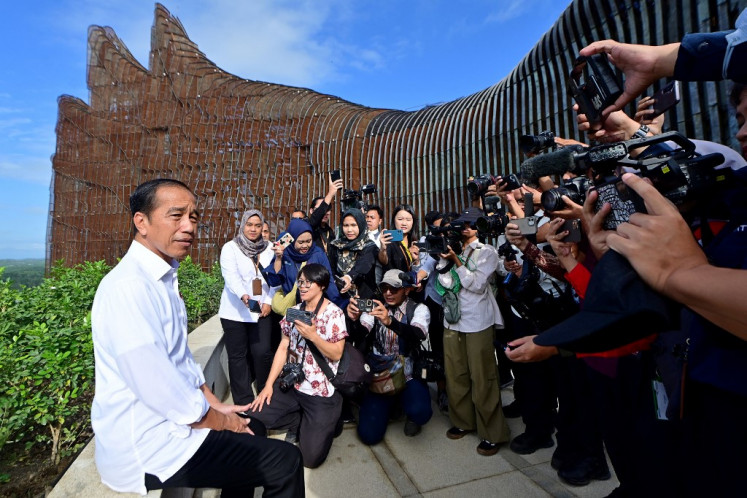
(349, 249)
(249, 248)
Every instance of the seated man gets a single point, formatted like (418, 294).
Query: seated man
(157, 424)
(398, 327)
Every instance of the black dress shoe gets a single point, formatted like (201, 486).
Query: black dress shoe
(586, 470)
(487, 448)
(525, 444)
(457, 433)
(412, 429)
(512, 410)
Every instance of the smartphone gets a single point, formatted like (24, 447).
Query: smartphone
(335, 175)
(574, 230)
(397, 235)
(365, 305)
(527, 225)
(293, 314)
(254, 306)
(286, 240)
(665, 99)
(511, 181)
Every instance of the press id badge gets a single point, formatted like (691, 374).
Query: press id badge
(257, 286)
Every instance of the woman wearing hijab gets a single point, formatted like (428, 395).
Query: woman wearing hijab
(245, 306)
(353, 255)
(288, 261)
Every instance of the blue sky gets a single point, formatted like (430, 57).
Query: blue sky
(386, 53)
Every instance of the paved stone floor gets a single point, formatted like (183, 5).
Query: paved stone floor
(431, 465)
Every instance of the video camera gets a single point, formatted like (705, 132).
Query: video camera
(680, 174)
(439, 239)
(353, 199)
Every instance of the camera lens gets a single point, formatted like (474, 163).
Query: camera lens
(552, 200)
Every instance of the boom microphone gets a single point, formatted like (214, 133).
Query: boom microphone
(550, 163)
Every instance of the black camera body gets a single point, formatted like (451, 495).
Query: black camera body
(575, 189)
(478, 185)
(493, 224)
(437, 242)
(291, 375)
(353, 199)
(594, 85)
(534, 144)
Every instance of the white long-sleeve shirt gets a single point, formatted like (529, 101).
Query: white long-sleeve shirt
(479, 309)
(147, 382)
(238, 272)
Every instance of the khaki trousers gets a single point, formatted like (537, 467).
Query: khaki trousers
(472, 384)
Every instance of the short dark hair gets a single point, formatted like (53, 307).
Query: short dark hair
(313, 201)
(315, 272)
(377, 208)
(299, 211)
(143, 199)
(432, 216)
(735, 95)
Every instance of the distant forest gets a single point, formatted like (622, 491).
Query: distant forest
(28, 272)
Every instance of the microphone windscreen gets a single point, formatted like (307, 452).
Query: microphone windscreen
(547, 164)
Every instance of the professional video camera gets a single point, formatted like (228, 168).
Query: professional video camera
(534, 144)
(439, 238)
(354, 198)
(680, 174)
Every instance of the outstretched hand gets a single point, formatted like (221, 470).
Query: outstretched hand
(641, 64)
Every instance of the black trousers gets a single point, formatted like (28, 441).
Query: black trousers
(314, 417)
(237, 463)
(250, 353)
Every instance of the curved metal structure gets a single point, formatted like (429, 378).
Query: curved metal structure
(243, 144)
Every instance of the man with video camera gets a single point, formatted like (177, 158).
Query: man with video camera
(396, 328)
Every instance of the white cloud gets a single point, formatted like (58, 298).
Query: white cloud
(33, 169)
(512, 9)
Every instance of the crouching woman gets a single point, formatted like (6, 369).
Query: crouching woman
(397, 327)
(302, 400)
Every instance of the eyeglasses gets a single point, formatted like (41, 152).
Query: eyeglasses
(388, 288)
(304, 283)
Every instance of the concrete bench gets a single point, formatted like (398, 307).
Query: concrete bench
(83, 480)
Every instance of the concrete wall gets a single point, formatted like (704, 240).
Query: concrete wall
(82, 479)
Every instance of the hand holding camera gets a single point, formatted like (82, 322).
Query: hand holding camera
(381, 313)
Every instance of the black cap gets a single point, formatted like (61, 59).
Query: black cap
(469, 215)
(619, 309)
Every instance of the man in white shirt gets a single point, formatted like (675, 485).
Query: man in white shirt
(156, 422)
(472, 380)
(374, 216)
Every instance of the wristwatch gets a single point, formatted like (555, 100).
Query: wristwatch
(642, 132)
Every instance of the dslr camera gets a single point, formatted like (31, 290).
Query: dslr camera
(534, 144)
(437, 242)
(575, 189)
(291, 375)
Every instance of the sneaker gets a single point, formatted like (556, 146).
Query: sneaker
(291, 437)
(457, 433)
(524, 444)
(412, 429)
(512, 410)
(487, 448)
(586, 470)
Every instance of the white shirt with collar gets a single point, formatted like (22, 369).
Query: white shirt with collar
(238, 273)
(479, 309)
(374, 235)
(147, 382)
